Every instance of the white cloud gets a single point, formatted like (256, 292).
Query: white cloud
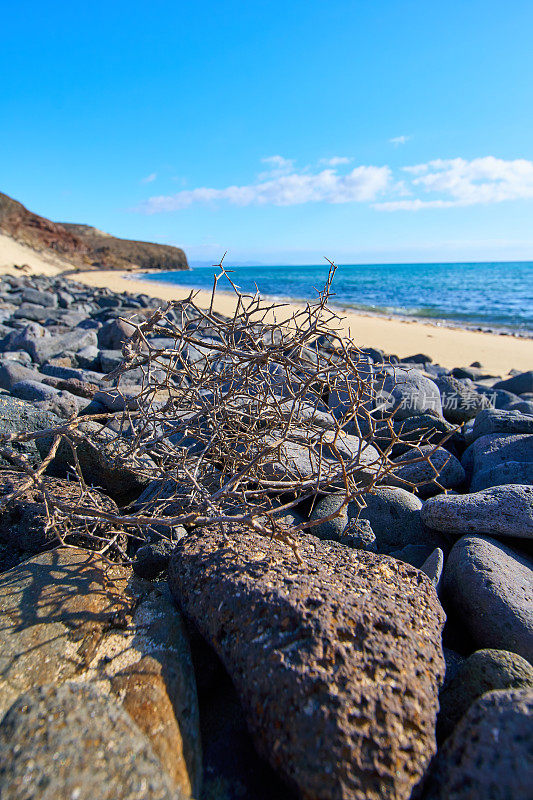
(294, 188)
(336, 161)
(277, 166)
(458, 182)
(397, 140)
(278, 162)
(437, 184)
(149, 178)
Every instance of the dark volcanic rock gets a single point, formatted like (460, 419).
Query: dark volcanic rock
(519, 384)
(41, 345)
(484, 671)
(433, 566)
(429, 425)
(495, 449)
(498, 511)
(394, 515)
(496, 420)
(12, 373)
(414, 554)
(113, 334)
(33, 391)
(344, 527)
(40, 298)
(511, 472)
(490, 588)
(440, 470)
(23, 521)
(72, 742)
(73, 385)
(336, 657)
(460, 400)
(408, 392)
(152, 559)
(104, 462)
(18, 416)
(488, 756)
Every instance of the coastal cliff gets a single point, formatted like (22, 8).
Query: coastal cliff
(83, 245)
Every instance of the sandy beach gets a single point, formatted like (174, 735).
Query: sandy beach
(449, 346)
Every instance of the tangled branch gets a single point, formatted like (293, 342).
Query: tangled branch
(243, 419)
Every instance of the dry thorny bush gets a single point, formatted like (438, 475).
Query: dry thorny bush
(240, 420)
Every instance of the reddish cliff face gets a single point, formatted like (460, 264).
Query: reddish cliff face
(83, 245)
(38, 232)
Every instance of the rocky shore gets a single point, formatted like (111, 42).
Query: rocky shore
(388, 654)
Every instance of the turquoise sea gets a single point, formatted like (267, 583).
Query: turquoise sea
(491, 295)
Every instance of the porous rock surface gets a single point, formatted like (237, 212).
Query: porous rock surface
(18, 416)
(494, 449)
(335, 653)
(67, 615)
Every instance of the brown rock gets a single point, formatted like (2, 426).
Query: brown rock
(336, 657)
(68, 615)
(73, 385)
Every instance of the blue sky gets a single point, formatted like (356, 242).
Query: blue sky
(279, 131)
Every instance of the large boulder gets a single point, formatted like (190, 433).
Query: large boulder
(488, 756)
(344, 525)
(335, 654)
(31, 295)
(42, 345)
(498, 511)
(67, 614)
(394, 515)
(72, 741)
(11, 373)
(489, 587)
(104, 460)
(114, 333)
(483, 671)
(33, 391)
(407, 433)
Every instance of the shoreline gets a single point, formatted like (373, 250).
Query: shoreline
(343, 309)
(448, 345)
